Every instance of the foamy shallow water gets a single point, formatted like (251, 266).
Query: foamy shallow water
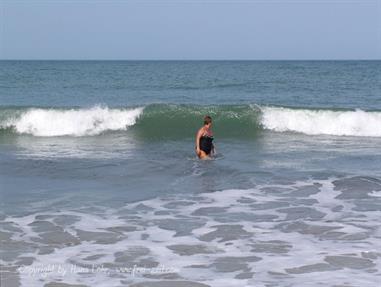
(310, 233)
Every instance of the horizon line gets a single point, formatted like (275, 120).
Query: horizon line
(195, 60)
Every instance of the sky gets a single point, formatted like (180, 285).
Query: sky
(190, 29)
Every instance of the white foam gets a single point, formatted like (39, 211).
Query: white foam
(271, 269)
(74, 122)
(314, 122)
(375, 193)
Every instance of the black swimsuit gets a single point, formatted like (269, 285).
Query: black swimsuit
(206, 143)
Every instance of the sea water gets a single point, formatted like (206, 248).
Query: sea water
(100, 184)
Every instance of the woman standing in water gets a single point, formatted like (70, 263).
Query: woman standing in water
(204, 139)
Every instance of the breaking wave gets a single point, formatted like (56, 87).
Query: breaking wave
(71, 122)
(327, 122)
(165, 120)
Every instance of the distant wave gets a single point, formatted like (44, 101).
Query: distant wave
(177, 121)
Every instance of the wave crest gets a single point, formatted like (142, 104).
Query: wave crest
(327, 122)
(73, 122)
(178, 121)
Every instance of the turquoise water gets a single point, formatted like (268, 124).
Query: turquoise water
(328, 84)
(97, 167)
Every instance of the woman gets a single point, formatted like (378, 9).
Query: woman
(204, 139)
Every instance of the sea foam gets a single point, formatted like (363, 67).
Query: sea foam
(73, 122)
(328, 122)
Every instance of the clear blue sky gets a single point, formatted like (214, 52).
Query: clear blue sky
(190, 29)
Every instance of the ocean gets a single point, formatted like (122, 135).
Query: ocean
(100, 184)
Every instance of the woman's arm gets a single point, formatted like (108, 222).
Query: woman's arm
(198, 136)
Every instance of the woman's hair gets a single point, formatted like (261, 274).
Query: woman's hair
(207, 120)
